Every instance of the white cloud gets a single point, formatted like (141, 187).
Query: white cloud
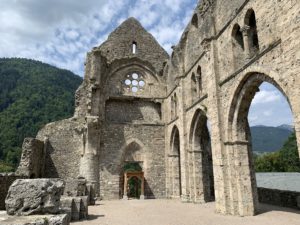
(60, 32)
(265, 96)
(268, 113)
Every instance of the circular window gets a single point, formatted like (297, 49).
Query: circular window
(127, 82)
(134, 82)
(142, 83)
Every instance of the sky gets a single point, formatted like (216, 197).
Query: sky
(61, 32)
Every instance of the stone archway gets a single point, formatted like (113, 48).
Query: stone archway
(201, 181)
(242, 183)
(133, 155)
(175, 187)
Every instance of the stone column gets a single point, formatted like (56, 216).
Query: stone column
(125, 197)
(142, 197)
(245, 31)
(198, 177)
(198, 82)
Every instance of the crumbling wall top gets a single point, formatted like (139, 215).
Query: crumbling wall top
(130, 40)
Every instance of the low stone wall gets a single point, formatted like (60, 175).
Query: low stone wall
(290, 199)
(6, 179)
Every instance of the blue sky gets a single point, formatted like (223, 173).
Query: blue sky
(60, 32)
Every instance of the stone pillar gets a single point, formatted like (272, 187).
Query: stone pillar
(245, 31)
(142, 197)
(89, 164)
(198, 177)
(244, 200)
(125, 197)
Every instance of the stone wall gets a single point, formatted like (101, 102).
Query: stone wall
(6, 179)
(230, 78)
(290, 199)
(133, 111)
(132, 143)
(64, 147)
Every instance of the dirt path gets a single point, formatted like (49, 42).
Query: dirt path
(170, 212)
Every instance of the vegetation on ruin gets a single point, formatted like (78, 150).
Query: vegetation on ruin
(284, 160)
(32, 94)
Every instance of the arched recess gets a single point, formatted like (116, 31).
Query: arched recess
(132, 153)
(243, 188)
(194, 21)
(175, 189)
(194, 89)
(250, 25)
(237, 46)
(201, 180)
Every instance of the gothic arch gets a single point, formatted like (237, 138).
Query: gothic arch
(237, 46)
(243, 188)
(252, 35)
(174, 160)
(132, 152)
(201, 182)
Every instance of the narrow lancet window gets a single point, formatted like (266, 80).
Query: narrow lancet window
(134, 47)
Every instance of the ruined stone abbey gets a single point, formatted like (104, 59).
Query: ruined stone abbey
(182, 118)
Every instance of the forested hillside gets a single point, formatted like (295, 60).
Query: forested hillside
(269, 139)
(32, 94)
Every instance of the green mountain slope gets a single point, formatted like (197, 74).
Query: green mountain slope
(269, 139)
(31, 94)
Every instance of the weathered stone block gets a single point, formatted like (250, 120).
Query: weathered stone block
(60, 219)
(35, 196)
(76, 187)
(32, 159)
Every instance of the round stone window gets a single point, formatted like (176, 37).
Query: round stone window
(134, 82)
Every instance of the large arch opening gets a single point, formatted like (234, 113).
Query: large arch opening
(244, 188)
(174, 165)
(201, 180)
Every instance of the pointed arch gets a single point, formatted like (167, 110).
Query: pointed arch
(239, 142)
(250, 24)
(201, 181)
(174, 164)
(195, 20)
(237, 46)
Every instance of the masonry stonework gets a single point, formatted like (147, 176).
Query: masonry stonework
(182, 117)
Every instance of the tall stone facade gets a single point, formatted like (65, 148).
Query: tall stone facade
(183, 118)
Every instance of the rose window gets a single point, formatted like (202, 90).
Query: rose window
(134, 82)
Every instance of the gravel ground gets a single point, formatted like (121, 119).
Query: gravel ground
(171, 212)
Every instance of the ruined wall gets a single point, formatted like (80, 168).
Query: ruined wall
(227, 50)
(290, 199)
(64, 148)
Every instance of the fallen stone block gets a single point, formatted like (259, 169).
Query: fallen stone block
(60, 219)
(34, 196)
(76, 187)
